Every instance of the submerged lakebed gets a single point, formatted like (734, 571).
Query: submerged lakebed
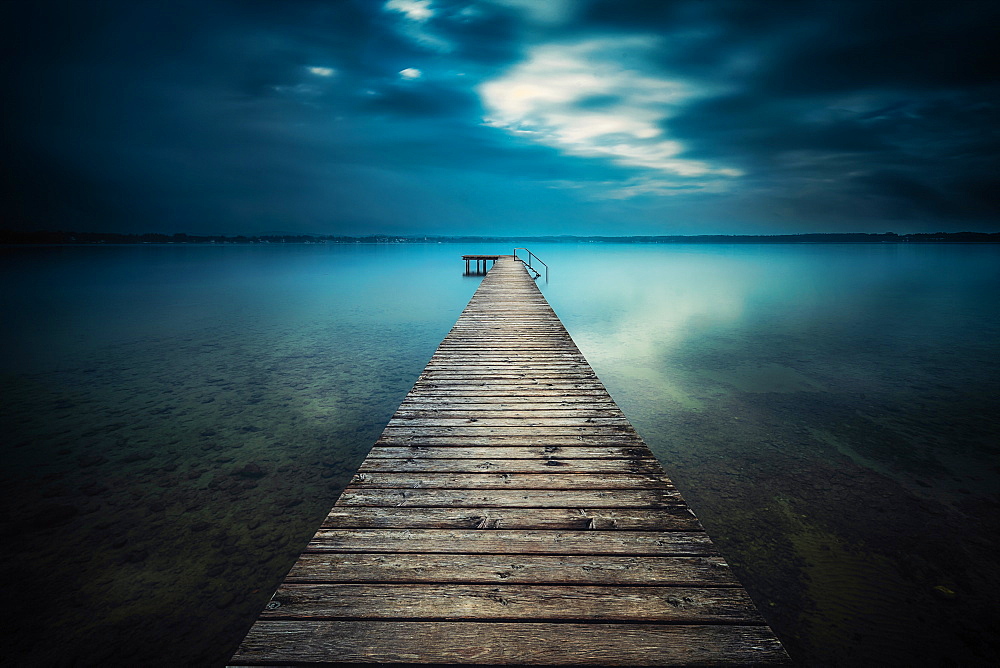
(178, 419)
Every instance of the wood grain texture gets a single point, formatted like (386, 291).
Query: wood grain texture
(479, 643)
(488, 431)
(508, 498)
(551, 480)
(538, 465)
(678, 605)
(511, 569)
(496, 452)
(500, 440)
(675, 518)
(513, 541)
(579, 413)
(510, 514)
(575, 422)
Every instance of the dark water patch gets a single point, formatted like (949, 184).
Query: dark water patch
(169, 476)
(844, 560)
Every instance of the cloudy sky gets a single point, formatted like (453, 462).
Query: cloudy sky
(513, 117)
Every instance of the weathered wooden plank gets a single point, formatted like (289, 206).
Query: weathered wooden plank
(438, 364)
(514, 375)
(461, 340)
(675, 518)
(540, 433)
(622, 603)
(487, 319)
(509, 498)
(473, 335)
(511, 375)
(487, 335)
(527, 368)
(499, 643)
(501, 408)
(501, 341)
(512, 569)
(508, 350)
(479, 325)
(510, 370)
(486, 394)
(499, 389)
(454, 356)
(537, 465)
(522, 347)
(513, 366)
(547, 401)
(512, 385)
(508, 541)
(504, 410)
(509, 333)
(520, 481)
(506, 440)
(524, 393)
(520, 422)
(496, 452)
(507, 377)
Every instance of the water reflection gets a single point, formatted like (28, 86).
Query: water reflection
(831, 414)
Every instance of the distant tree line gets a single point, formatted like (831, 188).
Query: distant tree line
(62, 237)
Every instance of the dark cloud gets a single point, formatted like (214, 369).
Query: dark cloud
(903, 45)
(754, 127)
(243, 116)
(479, 33)
(419, 99)
(913, 155)
(811, 46)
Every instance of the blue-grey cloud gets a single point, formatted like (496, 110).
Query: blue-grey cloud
(440, 116)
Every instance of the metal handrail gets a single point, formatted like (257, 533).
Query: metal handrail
(528, 263)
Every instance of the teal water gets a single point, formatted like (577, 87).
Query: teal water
(177, 420)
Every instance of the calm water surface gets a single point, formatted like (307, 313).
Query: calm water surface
(178, 419)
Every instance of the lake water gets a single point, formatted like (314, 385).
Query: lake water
(178, 419)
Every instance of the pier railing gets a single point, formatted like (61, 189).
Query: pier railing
(528, 264)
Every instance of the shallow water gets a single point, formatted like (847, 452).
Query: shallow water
(831, 412)
(179, 418)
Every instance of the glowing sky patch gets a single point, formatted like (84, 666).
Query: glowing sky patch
(411, 73)
(322, 71)
(415, 25)
(584, 100)
(415, 10)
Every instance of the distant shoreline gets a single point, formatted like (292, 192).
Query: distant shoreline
(9, 237)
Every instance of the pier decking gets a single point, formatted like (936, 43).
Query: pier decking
(510, 514)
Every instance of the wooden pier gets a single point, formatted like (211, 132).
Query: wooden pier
(481, 263)
(510, 514)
